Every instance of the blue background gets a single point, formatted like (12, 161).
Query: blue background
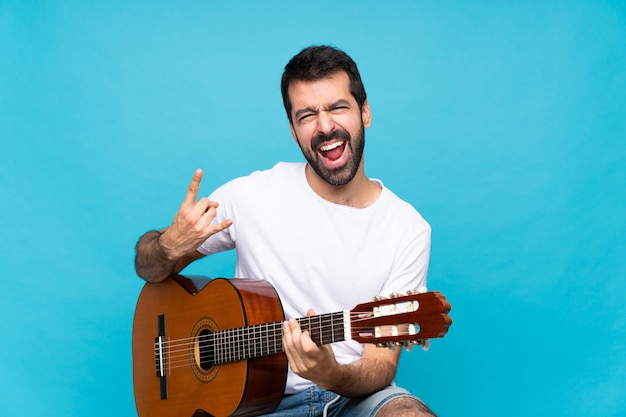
(503, 123)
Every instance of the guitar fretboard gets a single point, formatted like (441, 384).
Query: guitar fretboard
(249, 342)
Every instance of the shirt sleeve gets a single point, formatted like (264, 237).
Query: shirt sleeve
(410, 268)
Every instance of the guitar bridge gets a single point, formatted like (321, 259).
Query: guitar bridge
(161, 356)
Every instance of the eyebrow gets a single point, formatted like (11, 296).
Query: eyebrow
(340, 102)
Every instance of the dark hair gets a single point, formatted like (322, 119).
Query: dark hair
(318, 62)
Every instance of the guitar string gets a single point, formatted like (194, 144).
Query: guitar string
(181, 309)
(258, 331)
(326, 319)
(328, 322)
(232, 339)
(237, 336)
(182, 361)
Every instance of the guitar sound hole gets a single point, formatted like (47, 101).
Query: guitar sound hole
(204, 354)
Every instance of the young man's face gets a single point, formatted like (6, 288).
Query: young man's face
(329, 127)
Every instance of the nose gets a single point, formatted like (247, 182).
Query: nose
(325, 123)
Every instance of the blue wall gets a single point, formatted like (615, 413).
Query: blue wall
(504, 123)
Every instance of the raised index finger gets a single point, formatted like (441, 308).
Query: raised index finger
(194, 186)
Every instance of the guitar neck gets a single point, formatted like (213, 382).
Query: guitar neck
(249, 342)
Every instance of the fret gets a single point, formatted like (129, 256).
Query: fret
(224, 346)
(219, 346)
(210, 347)
(255, 341)
(237, 344)
(265, 342)
(266, 339)
(327, 329)
(252, 342)
(338, 328)
(231, 345)
(262, 340)
(258, 348)
(246, 342)
(278, 337)
(242, 343)
(239, 340)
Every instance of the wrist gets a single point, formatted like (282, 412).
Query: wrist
(152, 261)
(335, 378)
(165, 247)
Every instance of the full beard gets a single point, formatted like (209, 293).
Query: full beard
(343, 174)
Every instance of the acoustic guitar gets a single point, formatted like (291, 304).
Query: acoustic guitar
(214, 347)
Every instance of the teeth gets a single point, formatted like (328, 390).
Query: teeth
(331, 146)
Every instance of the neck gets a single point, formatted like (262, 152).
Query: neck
(360, 192)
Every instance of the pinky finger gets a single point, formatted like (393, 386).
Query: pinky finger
(221, 226)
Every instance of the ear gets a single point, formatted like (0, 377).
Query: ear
(366, 114)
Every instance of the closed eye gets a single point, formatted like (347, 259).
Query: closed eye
(339, 106)
(305, 114)
(305, 117)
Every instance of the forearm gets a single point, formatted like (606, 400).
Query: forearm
(364, 376)
(152, 261)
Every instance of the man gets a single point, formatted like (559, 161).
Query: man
(322, 233)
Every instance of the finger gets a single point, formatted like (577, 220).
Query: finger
(194, 186)
(286, 333)
(288, 340)
(294, 328)
(205, 206)
(207, 212)
(292, 358)
(301, 338)
(291, 344)
(218, 227)
(291, 333)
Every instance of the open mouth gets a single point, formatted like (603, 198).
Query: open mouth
(332, 151)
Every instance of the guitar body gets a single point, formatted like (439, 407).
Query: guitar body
(182, 310)
(214, 347)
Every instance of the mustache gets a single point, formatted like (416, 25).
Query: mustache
(335, 134)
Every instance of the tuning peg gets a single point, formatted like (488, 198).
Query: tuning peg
(425, 345)
(419, 290)
(388, 345)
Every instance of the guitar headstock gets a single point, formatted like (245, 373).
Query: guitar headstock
(401, 320)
